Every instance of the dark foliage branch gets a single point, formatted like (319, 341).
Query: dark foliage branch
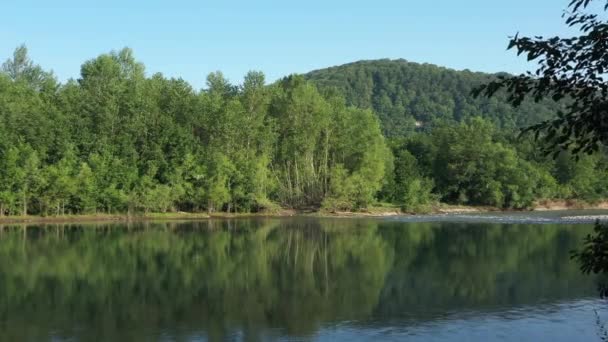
(572, 70)
(593, 257)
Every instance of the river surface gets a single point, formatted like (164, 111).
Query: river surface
(482, 277)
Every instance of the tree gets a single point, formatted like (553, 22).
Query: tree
(217, 183)
(302, 117)
(28, 178)
(571, 70)
(84, 198)
(20, 68)
(9, 172)
(411, 190)
(60, 184)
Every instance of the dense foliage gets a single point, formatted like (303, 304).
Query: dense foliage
(474, 163)
(117, 140)
(572, 70)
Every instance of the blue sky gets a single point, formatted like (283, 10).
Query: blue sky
(189, 38)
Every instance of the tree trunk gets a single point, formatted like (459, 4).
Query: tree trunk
(24, 213)
(326, 166)
(297, 185)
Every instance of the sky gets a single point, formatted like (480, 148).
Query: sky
(191, 38)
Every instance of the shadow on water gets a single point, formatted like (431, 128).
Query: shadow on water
(258, 279)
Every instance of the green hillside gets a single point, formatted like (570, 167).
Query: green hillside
(406, 95)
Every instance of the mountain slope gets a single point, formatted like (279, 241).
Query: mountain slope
(406, 95)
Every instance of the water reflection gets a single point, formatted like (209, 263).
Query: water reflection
(268, 278)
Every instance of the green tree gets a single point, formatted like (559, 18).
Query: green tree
(9, 173)
(60, 185)
(84, 196)
(569, 69)
(21, 68)
(28, 177)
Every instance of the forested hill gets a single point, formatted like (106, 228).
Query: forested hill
(402, 92)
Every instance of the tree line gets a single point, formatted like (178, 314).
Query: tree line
(119, 141)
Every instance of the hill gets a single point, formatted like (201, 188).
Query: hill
(406, 95)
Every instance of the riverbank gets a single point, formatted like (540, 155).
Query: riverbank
(102, 218)
(173, 216)
(379, 211)
(568, 204)
(443, 208)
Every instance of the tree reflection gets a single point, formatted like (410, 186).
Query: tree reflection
(259, 277)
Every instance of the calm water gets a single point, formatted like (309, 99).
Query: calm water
(457, 278)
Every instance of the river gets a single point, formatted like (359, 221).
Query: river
(482, 277)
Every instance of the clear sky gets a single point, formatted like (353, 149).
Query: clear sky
(190, 38)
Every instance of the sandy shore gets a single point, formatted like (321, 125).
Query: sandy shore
(568, 205)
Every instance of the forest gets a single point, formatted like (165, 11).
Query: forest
(117, 140)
